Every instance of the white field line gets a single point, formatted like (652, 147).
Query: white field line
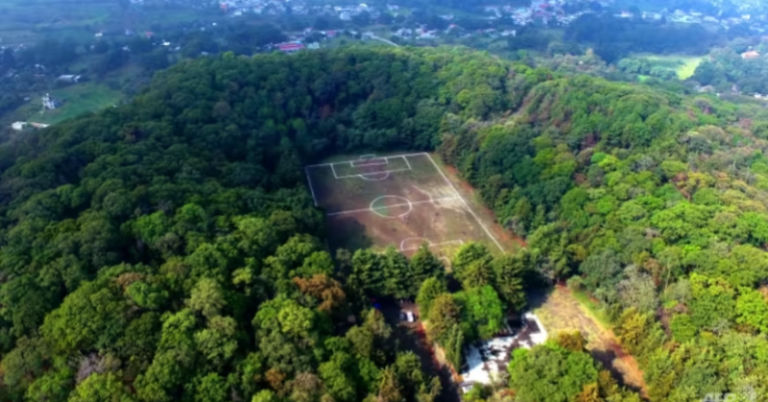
(349, 176)
(367, 177)
(370, 162)
(333, 170)
(369, 209)
(423, 192)
(477, 218)
(407, 163)
(357, 160)
(311, 188)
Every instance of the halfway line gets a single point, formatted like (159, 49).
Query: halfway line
(356, 211)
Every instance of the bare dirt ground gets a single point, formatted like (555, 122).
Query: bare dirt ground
(560, 311)
(507, 238)
(399, 201)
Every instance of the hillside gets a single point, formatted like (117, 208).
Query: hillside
(169, 249)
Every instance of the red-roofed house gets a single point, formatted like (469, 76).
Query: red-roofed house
(750, 55)
(290, 47)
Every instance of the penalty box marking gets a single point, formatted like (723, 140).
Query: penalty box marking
(370, 162)
(360, 158)
(360, 175)
(375, 161)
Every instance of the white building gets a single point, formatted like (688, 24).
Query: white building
(487, 362)
(49, 103)
(21, 125)
(69, 78)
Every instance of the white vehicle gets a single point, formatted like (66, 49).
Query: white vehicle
(410, 317)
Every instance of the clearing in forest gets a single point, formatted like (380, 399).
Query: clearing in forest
(685, 66)
(560, 311)
(397, 200)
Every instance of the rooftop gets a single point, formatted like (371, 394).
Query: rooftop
(486, 361)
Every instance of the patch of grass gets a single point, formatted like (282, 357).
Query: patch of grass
(684, 66)
(592, 308)
(83, 64)
(78, 99)
(561, 309)
(687, 70)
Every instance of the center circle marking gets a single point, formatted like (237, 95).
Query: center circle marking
(402, 202)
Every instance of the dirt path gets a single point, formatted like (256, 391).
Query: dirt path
(560, 311)
(413, 337)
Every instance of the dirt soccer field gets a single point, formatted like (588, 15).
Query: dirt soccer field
(401, 201)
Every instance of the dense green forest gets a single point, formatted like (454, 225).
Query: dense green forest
(169, 249)
(614, 38)
(727, 70)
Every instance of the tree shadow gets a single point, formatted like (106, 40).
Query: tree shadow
(537, 297)
(348, 233)
(606, 358)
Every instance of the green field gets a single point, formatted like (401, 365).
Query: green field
(685, 66)
(78, 99)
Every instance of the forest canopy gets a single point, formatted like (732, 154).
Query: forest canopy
(168, 249)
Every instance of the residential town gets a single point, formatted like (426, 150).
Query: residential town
(502, 19)
(301, 25)
(546, 12)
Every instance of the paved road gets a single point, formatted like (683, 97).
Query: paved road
(380, 39)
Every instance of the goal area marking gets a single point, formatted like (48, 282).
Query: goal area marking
(369, 162)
